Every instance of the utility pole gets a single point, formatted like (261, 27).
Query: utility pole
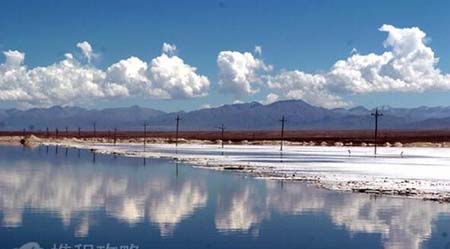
(67, 131)
(222, 130)
(282, 120)
(47, 132)
(79, 132)
(95, 128)
(57, 132)
(115, 136)
(177, 129)
(145, 134)
(376, 114)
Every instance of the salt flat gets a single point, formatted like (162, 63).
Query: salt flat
(419, 172)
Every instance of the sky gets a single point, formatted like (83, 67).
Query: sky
(185, 55)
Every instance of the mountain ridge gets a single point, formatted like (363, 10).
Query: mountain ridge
(242, 116)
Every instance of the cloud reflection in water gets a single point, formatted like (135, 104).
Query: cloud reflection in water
(135, 195)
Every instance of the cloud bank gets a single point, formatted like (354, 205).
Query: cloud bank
(69, 82)
(408, 64)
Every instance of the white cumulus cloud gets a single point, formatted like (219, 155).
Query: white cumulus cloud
(169, 49)
(312, 88)
(69, 82)
(270, 98)
(257, 50)
(130, 73)
(407, 65)
(87, 50)
(239, 72)
(172, 78)
(13, 58)
(65, 82)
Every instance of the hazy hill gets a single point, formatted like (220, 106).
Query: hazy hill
(254, 115)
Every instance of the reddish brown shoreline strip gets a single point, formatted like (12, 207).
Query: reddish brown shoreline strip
(355, 136)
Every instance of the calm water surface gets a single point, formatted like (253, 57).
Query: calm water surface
(55, 195)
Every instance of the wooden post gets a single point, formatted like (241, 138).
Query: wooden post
(282, 120)
(95, 129)
(376, 114)
(115, 136)
(222, 131)
(145, 134)
(177, 129)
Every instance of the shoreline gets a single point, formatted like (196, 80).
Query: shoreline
(15, 139)
(386, 137)
(329, 167)
(10, 140)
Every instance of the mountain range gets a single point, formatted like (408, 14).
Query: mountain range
(245, 116)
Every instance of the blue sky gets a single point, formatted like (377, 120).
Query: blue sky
(307, 36)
